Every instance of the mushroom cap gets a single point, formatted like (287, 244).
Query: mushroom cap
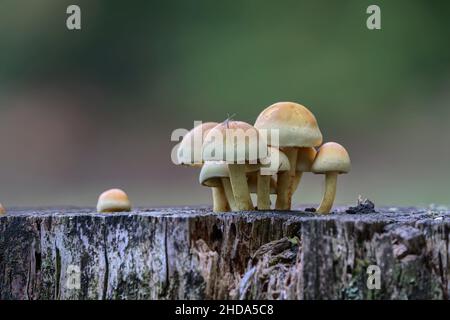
(305, 159)
(331, 157)
(253, 183)
(212, 171)
(2, 209)
(113, 200)
(234, 142)
(189, 149)
(296, 124)
(276, 161)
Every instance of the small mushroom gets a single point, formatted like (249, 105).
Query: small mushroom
(113, 200)
(297, 128)
(238, 143)
(305, 159)
(332, 159)
(2, 209)
(276, 162)
(215, 174)
(190, 154)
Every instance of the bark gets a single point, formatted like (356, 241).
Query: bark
(192, 253)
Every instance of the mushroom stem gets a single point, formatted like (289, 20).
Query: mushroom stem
(229, 193)
(330, 193)
(284, 193)
(220, 203)
(239, 185)
(263, 191)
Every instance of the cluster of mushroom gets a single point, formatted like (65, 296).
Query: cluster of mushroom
(237, 171)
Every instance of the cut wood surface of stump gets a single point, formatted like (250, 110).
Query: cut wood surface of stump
(192, 253)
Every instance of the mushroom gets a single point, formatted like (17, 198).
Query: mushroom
(190, 149)
(214, 174)
(2, 209)
(190, 154)
(113, 200)
(237, 143)
(297, 128)
(277, 161)
(332, 159)
(305, 159)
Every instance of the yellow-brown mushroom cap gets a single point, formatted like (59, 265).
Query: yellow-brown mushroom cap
(305, 159)
(296, 124)
(113, 200)
(234, 142)
(189, 148)
(2, 209)
(331, 157)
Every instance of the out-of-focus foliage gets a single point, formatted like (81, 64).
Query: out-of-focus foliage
(137, 70)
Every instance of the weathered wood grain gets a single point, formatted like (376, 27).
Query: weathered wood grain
(192, 253)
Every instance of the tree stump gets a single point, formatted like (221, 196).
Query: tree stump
(192, 253)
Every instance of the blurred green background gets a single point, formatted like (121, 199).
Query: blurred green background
(83, 111)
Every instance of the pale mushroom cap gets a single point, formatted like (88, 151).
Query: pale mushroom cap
(276, 161)
(305, 159)
(253, 184)
(331, 157)
(234, 142)
(211, 172)
(2, 209)
(113, 200)
(189, 148)
(296, 124)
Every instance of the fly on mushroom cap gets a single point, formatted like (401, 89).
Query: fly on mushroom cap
(238, 143)
(190, 149)
(331, 160)
(2, 209)
(277, 161)
(113, 200)
(297, 128)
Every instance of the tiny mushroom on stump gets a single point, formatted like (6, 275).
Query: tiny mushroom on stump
(332, 159)
(297, 128)
(238, 143)
(276, 162)
(190, 154)
(214, 174)
(113, 200)
(2, 209)
(305, 160)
